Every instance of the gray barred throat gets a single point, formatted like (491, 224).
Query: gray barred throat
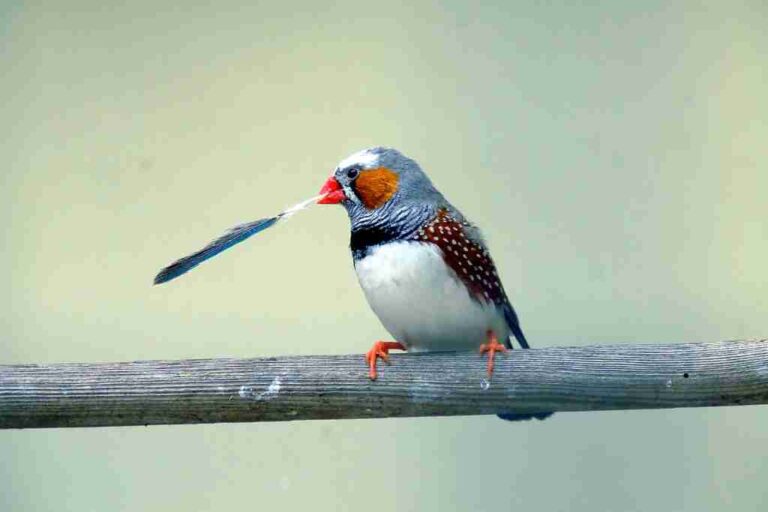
(371, 229)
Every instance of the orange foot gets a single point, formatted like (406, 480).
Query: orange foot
(491, 347)
(380, 349)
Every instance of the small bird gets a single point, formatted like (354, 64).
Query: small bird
(423, 267)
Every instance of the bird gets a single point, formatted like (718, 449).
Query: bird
(424, 268)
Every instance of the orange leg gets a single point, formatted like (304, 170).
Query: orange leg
(491, 347)
(380, 349)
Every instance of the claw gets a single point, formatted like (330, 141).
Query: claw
(491, 347)
(381, 350)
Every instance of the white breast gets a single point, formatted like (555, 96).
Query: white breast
(421, 301)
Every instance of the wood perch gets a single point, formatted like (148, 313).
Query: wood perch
(332, 387)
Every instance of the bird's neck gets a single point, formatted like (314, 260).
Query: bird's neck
(371, 228)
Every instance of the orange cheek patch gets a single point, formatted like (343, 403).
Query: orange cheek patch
(375, 187)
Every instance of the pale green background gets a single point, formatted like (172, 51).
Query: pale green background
(615, 155)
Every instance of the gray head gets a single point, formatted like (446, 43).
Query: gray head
(386, 194)
(377, 182)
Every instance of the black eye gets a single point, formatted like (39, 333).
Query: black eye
(352, 172)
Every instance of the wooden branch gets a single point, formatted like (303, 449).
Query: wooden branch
(437, 384)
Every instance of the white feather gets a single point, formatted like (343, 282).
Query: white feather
(289, 212)
(421, 301)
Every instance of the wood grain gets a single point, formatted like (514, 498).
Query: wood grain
(333, 387)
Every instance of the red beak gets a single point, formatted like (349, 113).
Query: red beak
(333, 193)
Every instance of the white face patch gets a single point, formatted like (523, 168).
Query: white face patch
(364, 158)
(350, 194)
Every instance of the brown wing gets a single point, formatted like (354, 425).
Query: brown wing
(471, 261)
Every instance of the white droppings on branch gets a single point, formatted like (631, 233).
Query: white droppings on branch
(271, 392)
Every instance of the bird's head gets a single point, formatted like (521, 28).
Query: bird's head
(375, 178)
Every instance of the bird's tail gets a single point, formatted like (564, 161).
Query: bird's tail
(517, 332)
(511, 416)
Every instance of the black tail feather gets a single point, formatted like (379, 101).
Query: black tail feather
(514, 325)
(517, 332)
(511, 416)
